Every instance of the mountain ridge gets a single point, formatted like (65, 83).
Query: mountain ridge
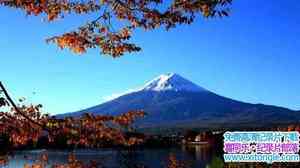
(172, 99)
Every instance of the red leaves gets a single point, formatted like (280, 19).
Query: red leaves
(174, 163)
(73, 41)
(52, 8)
(3, 161)
(113, 28)
(72, 163)
(127, 119)
(88, 130)
(94, 35)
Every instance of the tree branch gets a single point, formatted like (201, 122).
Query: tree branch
(18, 110)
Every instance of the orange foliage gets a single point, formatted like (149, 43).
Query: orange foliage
(3, 161)
(174, 163)
(72, 163)
(126, 14)
(26, 123)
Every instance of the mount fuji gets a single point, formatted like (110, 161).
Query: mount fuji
(171, 101)
(171, 82)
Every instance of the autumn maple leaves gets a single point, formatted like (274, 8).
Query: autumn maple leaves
(111, 43)
(88, 130)
(25, 123)
(117, 19)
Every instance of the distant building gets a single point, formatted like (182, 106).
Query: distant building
(200, 138)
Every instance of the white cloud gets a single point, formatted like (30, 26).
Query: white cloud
(116, 95)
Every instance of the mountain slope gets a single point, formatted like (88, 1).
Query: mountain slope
(171, 82)
(170, 100)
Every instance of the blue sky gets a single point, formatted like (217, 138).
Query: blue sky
(252, 56)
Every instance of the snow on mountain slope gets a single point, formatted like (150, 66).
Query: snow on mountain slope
(171, 100)
(164, 82)
(171, 82)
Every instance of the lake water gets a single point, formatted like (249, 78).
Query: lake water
(196, 156)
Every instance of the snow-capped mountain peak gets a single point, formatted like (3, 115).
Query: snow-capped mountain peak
(171, 82)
